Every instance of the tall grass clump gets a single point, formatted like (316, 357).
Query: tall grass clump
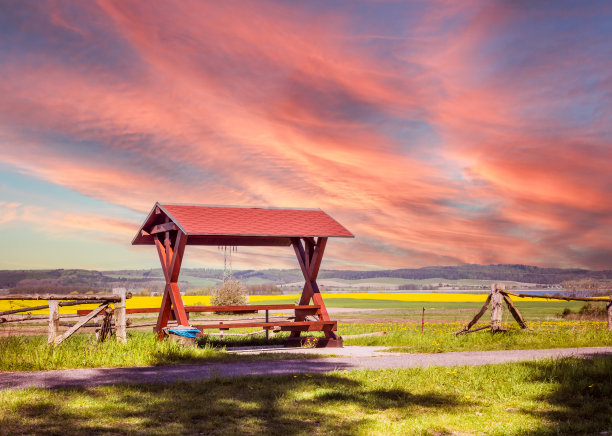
(31, 353)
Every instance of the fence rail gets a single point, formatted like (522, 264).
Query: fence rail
(495, 300)
(118, 312)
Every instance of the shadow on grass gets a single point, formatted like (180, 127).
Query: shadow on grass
(316, 404)
(582, 398)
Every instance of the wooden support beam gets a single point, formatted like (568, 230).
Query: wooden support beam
(58, 340)
(161, 251)
(515, 312)
(309, 258)
(609, 308)
(171, 256)
(474, 320)
(165, 227)
(239, 241)
(164, 315)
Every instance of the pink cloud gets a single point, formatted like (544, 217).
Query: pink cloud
(434, 145)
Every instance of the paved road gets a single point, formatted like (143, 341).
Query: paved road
(168, 374)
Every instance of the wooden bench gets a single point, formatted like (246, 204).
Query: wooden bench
(300, 311)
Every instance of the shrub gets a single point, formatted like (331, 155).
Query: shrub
(230, 293)
(587, 311)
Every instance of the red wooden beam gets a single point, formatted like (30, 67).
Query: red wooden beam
(309, 257)
(171, 256)
(163, 228)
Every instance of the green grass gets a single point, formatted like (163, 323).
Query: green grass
(439, 337)
(31, 353)
(548, 397)
(199, 281)
(531, 310)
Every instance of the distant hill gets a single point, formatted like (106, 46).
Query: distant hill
(516, 273)
(206, 278)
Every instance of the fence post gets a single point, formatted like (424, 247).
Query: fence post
(497, 306)
(120, 315)
(609, 307)
(53, 321)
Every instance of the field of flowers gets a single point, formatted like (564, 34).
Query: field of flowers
(346, 299)
(142, 302)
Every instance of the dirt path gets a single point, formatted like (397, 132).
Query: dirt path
(351, 361)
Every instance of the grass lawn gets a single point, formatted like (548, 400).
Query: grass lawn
(566, 396)
(29, 353)
(439, 337)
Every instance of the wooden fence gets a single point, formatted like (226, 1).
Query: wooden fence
(499, 295)
(54, 302)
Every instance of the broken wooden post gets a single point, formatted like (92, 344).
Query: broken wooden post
(609, 307)
(53, 321)
(514, 311)
(497, 307)
(120, 315)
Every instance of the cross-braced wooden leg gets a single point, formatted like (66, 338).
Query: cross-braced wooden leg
(170, 251)
(309, 257)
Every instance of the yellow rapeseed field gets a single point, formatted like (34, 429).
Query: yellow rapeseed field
(141, 302)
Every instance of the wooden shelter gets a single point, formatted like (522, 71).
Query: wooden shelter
(171, 227)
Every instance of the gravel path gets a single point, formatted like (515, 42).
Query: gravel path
(168, 374)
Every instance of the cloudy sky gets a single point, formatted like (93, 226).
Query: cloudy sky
(438, 132)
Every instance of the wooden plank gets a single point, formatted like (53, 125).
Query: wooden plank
(105, 297)
(592, 299)
(246, 308)
(166, 227)
(474, 320)
(310, 309)
(20, 318)
(24, 309)
(461, 332)
(58, 340)
(287, 326)
(239, 241)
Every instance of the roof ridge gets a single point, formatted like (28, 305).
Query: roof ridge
(238, 206)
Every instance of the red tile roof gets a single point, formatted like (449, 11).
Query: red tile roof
(249, 221)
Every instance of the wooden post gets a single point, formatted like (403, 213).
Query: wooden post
(609, 307)
(497, 307)
(53, 321)
(423, 319)
(120, 315)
